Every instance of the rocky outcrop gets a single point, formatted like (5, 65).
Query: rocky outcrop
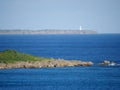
(13, 59)
(48, 63)
(107, 63)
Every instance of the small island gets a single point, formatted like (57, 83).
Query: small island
(13, 59)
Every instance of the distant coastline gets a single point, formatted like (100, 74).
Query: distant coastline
(48, 32)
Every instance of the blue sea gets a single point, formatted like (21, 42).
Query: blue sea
(95, 48)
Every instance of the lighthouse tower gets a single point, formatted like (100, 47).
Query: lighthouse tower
(80, 28)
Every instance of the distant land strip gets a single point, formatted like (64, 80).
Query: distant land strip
(48, 32)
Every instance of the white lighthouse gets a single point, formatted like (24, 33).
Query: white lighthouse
(80, 27)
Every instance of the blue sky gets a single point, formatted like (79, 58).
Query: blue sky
(100, 15)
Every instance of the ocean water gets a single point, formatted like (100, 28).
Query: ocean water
(94, 48)
(80, 47)
(66, 78)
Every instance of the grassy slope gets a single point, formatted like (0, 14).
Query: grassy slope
(12, 56)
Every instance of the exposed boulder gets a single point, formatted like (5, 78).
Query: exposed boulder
(107, 63)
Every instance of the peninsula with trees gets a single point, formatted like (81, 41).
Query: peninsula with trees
(14, 59)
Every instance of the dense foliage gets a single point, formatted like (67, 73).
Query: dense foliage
(12, 56)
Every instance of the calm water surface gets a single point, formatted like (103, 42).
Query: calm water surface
(67, 78)
(81, 47)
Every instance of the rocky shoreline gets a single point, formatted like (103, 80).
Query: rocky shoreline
(13, 59)
(49, 63)
(54, 63)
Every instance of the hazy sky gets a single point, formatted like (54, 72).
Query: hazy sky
(100, 15)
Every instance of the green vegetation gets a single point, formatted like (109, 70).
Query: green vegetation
(12, 56)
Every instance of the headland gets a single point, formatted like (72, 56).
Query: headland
(13, 59)
(48, 32)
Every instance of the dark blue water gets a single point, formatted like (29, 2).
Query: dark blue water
(82, 47)
(67, 78)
